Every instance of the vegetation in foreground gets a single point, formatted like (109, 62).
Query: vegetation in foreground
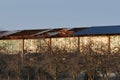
(59, 66)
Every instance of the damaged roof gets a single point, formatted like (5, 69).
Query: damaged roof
(60, 32)
(39, 33)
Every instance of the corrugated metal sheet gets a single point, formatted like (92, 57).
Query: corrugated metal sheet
(6, 33)
(41, 32)
(100, 30)
(53, 33)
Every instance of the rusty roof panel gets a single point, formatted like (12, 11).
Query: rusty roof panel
(27, 32)
(39, 33)
(7, 33)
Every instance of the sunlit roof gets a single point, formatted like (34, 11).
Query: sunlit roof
(38, 33)
(99, 30)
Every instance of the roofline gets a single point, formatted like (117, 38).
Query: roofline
(44, 33)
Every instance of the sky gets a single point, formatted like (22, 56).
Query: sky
(39, 14)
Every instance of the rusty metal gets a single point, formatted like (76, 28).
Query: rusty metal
(39, 33)
(78, 44)
(108, 58)
(50, 45)
(22, 55)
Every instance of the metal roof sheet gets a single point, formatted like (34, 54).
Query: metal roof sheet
(53, 33)
(100, 30)
(6, 33)
(41, 32)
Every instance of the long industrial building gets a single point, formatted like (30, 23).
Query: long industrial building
(97, 48)
(103, 38)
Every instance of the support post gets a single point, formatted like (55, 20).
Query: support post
(78, 44)
(108, 61)
(22, 55)
(50, 45)
(109, 47)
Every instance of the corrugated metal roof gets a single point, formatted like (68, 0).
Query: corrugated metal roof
(53, 33)
(39, 33)
(6, 33)
(100, 30)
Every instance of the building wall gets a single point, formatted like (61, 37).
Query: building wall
(96, 44)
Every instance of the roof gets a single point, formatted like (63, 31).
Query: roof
(60, 32)
(99, 30)
(39, 33)
(6, 33)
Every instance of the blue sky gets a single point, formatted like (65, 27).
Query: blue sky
(36, 14)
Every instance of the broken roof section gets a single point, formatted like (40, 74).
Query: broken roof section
(7, 33)
(39, 33)
(99, 30)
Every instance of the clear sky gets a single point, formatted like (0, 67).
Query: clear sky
(36, 14)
